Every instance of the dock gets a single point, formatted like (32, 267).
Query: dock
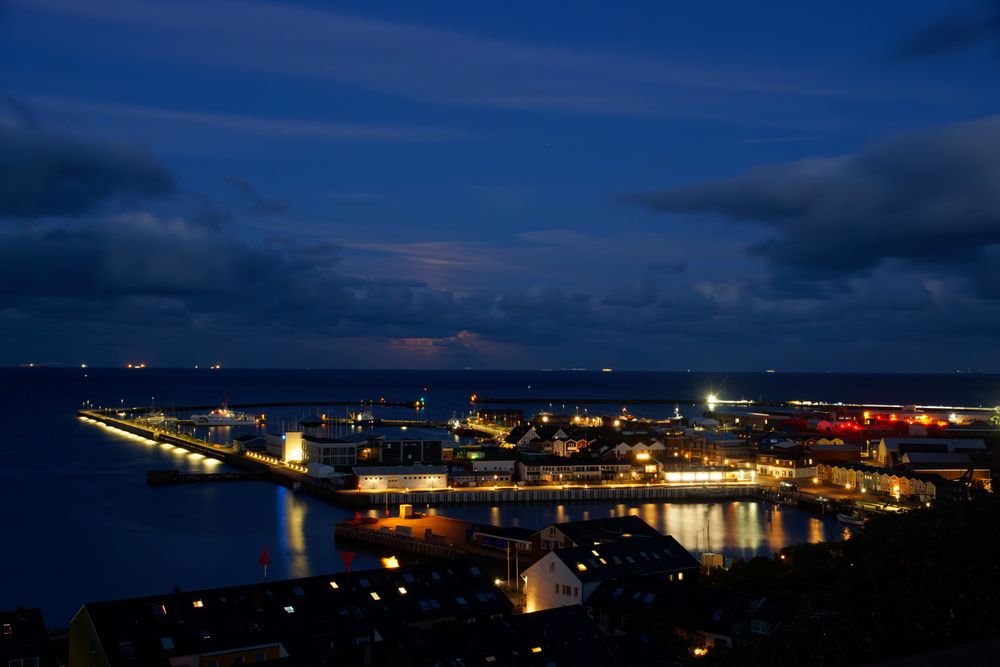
(546, 494)
(433, 536)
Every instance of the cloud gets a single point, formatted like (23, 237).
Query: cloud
(266, 126)
(259, 203)
(963, 28)
(47, 173)
(930, 199)
(176, 291)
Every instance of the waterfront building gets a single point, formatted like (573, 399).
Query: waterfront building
(383, 478)
(790, 463)
(518, 540)
(891, 449)
(536, 470)
(24, 639)
(369, 617)
(896, 483)
(569, 576)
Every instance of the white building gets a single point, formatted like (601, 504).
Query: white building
(388, 478)
(569, 576)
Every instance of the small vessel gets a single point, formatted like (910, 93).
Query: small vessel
(363, 416)
(223, 417)
(854, 518)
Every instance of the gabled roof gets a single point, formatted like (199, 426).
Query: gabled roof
(306, 616)
(595, 531)
(642, 556)
(559, 636)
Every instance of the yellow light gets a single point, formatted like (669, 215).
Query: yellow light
(333, 585)
(402, 590)
(536, 649)
(581, 567)
(198, 604)
(618, 423)
(390, 562)
(712, 398)
(375, 596)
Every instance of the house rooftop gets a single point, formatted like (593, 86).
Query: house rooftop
(629, 557)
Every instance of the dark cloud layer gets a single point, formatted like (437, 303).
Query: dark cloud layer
(964, 27)
(46, 173)
(930, 199)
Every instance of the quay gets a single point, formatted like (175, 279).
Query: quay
(434, 536)
(295, 477)
(522, 494)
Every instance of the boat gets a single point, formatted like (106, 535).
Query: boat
(854, 519)
(223, 417)
(363, 416)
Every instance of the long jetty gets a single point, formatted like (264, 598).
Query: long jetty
(303, 483)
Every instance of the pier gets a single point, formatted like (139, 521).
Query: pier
(522, 494)
(295, 477)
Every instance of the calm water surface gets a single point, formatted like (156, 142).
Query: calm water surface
(80, 523)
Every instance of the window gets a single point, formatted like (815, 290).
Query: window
(474, 570)
(289, 609)
(167, 643)
(8, 629)
(566, 590)
(364, 582)
(461, 601)
(159, 610)
(127, 649)
(197, 604)
(375, 596)
(576, 592)
(333, 585)
(552, 566)
(557, 588)
(299, 593)
(260, 657)
(402, 590)
(205, 634)
(680, 576)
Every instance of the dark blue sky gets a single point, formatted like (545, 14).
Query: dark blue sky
(649, 185)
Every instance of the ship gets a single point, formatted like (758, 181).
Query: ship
(223, 417)
(854, 518)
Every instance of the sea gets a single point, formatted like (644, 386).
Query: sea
(79, 523)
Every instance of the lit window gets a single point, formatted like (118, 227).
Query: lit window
(402, 590)
(680, 576)
(289, 609)
(333, 585)
(581, 567)
(536, 649)
(375, 596)
(159, 609)
(198, 604)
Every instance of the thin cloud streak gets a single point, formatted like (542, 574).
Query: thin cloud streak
(439, 66)
(287, 128)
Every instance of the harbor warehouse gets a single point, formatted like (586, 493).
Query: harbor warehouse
(383, 478)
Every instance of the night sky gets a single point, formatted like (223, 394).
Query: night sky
(646, 185)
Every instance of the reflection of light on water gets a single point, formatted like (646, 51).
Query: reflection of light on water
(846, 534)
(561, 514)
(292, 513)
(816, 533)
(211, 463)
(495, 516)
